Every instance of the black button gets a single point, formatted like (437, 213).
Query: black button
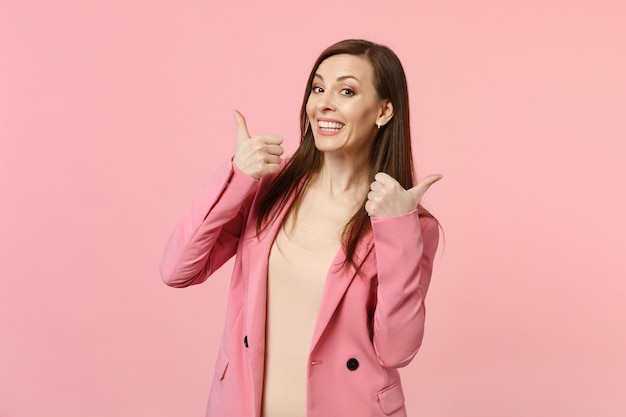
(352, 364)
(245, 341)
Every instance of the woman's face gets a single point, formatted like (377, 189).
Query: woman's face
(343, 106)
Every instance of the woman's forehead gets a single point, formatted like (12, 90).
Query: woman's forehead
(338, 67)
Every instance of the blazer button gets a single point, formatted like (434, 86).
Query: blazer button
(352, 364)
(245, 341)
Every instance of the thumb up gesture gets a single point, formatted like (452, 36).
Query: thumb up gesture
(257, 155)
(387, 198)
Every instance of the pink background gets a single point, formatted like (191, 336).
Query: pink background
(113, 113)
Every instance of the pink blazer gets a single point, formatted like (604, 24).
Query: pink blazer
(368, 324)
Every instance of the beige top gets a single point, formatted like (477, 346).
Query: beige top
(296, 278)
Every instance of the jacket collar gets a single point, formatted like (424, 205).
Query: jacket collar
(337, 281)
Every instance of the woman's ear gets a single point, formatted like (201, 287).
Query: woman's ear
(385, 114)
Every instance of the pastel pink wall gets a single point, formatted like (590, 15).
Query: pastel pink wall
(113, 113)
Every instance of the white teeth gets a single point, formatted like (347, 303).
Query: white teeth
(329, 125)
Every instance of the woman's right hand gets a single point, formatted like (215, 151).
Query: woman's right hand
(257, 155)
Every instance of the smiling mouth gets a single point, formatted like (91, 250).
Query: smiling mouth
(330, 126)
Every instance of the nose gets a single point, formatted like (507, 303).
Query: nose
(325, 102)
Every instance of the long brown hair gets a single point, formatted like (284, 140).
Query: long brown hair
(391, 152)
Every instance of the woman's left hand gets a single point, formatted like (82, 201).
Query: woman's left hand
(387, 198)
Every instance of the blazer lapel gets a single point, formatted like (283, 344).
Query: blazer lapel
(257, 260)
(337, 282)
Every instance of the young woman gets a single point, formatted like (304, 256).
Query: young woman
(333, 251)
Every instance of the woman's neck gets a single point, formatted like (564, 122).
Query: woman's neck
(340, 176)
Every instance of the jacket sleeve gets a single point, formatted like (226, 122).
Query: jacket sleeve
(405, 248)
(209, 232)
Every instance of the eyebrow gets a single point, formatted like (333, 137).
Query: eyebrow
(343, 77)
